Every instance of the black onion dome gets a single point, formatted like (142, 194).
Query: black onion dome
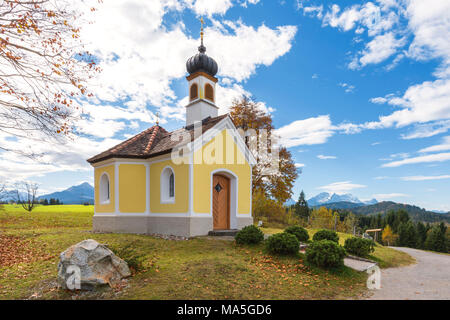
(202, 62)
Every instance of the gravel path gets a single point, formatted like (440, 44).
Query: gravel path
(428, 279)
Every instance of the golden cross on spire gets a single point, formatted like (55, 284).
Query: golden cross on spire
(157, 118)
(201, 32)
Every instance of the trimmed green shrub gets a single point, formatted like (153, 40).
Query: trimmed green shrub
(282, 243)
(326, 235)
(359, 246)
(301, 233)
(325, 254)
(249, 235)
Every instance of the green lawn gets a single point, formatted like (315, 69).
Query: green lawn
(385, 256)
(200, 268)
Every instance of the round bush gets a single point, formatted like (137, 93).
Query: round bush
(282, 243)
(326, 235)
(301, 233)
(249, 235)
(325, 254)
(359, 246)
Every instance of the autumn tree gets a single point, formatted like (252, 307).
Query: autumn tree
(388, 235)
(44, 67)
(322, 218)
(26, 194)
(275, 176)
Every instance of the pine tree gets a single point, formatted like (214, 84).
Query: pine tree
(436, 239)
(407, 235)
(301, 208)
(422, 235)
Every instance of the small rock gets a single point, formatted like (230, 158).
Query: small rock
(89, 264)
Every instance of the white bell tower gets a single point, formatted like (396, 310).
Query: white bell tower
(202, 85)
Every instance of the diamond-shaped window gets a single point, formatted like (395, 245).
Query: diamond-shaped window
(218, 187)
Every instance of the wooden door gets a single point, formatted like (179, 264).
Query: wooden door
(221, 202)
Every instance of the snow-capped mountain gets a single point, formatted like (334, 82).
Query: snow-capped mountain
(325, 197)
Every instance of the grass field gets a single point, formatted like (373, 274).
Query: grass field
(199, 268)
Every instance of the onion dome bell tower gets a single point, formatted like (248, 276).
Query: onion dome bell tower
(202, 85)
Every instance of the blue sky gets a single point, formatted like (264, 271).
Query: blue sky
(359, 90)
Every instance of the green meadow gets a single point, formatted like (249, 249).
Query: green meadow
(200, 268)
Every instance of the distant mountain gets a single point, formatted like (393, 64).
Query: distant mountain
(440, 211)
(340, 205)
(73, 195)
(327, 198)
(416, 213)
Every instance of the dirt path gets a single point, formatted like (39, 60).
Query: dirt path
(429, 278)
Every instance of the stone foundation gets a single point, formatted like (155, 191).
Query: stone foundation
(175, 226)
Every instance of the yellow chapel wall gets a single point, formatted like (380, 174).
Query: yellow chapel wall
(181, 173)
(104, 208)
(235, 163)
(132, 188)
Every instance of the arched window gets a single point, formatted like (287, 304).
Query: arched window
(167, 185)
(104, 191)
(171, 186)
(193, 92)
(209, 92)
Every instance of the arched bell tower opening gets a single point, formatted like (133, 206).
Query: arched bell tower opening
(209, 92)
(193, 92)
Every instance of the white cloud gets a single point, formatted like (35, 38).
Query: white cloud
(313, 11)
(425, 178)
(378, 100)
(341, 187)
(140, 56)
(347, 87)
(381, 178)
(210, 7)
(300, 165)
(428, 101)
(422, 28)
(306, 132)
(368, 16)
(445, 145)
(379, 49)
(386, 196)
(323, 157)
(427, 130)
(240, 52)
(438, 157)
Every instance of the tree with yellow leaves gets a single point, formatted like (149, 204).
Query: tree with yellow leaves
(388, 235)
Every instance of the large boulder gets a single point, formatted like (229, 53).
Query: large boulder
(89, 264)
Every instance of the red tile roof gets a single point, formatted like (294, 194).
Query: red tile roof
(152, 142)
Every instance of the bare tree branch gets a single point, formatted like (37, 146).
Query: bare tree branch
(26, 194)
(44, 67)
